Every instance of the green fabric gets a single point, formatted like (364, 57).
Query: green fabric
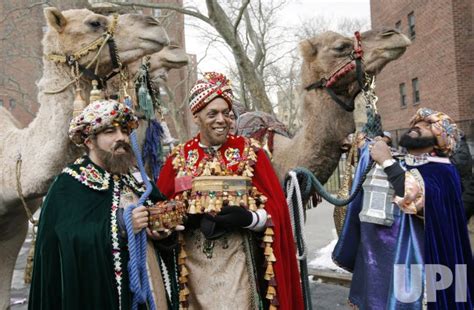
(73, 264)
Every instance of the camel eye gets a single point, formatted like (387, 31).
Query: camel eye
(341, 47)
(95, 24)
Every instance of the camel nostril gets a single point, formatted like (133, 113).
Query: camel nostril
(152, 21)
(389, 32)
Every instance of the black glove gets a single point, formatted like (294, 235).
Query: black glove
(210, 229)
(233, 217)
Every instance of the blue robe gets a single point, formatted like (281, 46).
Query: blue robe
(370, 251)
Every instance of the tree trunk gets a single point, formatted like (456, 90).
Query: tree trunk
(254, 84)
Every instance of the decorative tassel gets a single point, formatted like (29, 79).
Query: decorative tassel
(145, 102)
(271, 291)
(269, 231)
(267, 239)
(192, 208)
(152, 151)
(79, 103)
(271, 258)
(184, 271)
(183, 277)
(96, 93)
(269, 272)
(268, 250)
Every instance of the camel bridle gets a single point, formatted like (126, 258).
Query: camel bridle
(355, 61)
(98, 44)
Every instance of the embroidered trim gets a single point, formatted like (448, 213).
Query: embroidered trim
(90, 177)
(418, 160)
(216, 165)
(115, 241)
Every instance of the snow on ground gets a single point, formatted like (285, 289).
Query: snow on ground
(323, 259)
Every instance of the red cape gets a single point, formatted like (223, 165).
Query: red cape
(265, 180)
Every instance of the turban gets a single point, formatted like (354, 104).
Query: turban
(97, 116)
(212, 85)
(443, 128)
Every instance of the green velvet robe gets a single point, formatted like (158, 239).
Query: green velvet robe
(73, 263)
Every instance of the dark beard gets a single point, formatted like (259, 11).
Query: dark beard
(117, 163)
(411, 143)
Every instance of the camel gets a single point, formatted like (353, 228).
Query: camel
(44, 146)
(317, 145)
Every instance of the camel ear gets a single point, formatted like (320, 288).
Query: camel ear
(55, 19)
(308, 50)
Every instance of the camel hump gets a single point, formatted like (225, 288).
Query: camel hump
(256, 124)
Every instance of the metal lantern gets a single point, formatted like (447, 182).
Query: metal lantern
(377, 205)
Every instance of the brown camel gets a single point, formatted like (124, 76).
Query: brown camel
(44, 146)
(325, 124)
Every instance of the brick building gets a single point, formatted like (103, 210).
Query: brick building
(21, 29)
(437, 70)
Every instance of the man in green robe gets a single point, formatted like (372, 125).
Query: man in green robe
(81, 253)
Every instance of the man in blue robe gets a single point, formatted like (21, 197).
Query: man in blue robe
(429, 233)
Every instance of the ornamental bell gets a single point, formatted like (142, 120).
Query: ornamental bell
(377, 205)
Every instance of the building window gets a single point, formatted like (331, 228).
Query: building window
(156, 12)
(12, 104)
(416, 91)
(411, 25)
(1, 102)
(403, 95)
(398, 25)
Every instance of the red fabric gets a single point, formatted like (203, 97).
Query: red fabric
(265, 180)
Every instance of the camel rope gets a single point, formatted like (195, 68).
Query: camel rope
(32, 220)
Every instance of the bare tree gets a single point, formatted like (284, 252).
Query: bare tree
(227, 26)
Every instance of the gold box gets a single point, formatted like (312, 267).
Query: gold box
(221, 184)
(210, 193)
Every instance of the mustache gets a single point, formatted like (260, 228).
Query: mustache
(122, 144)
(415, 129)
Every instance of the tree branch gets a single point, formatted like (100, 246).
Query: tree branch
(22, 8)
(166, 6)
(239, 16)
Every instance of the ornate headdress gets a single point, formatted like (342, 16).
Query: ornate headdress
(212, 85)
(98, 115)
(443, 128)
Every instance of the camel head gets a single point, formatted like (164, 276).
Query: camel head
(326, 53)
(70, 31)
(170, 57)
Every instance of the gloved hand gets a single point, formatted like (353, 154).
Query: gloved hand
(232, 217)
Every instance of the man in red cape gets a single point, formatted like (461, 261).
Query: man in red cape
(234, 252)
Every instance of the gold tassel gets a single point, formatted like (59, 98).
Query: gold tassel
(268, 239)
(269, 231)
(271, 290)
(182, 297)
(272, 307)
(79, 103)
(192, 207)
(269, 272)
(268, 250)
(183, 254)
(184, 270)
(96, 94)
(271, 258)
